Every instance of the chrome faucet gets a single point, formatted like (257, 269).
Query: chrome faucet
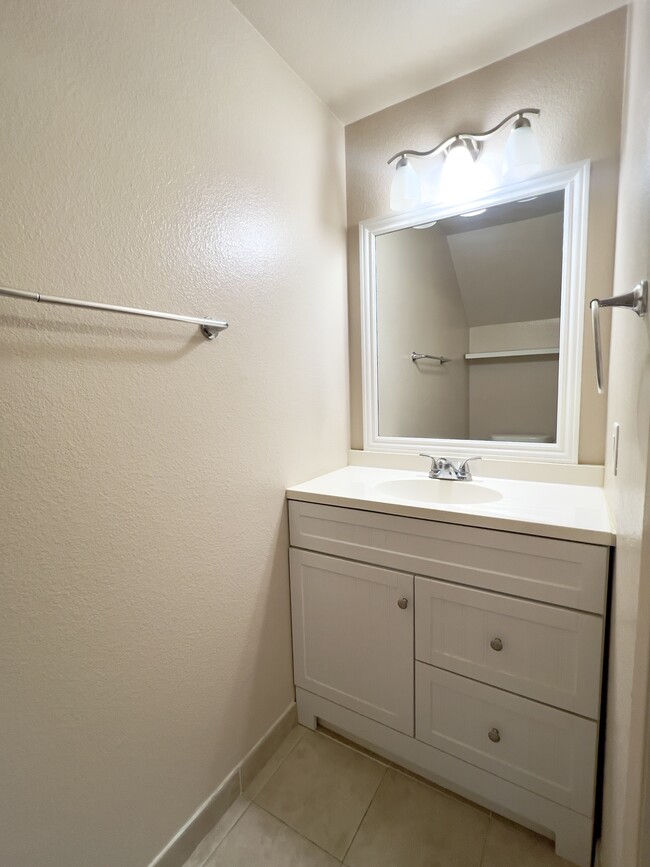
(442, 468)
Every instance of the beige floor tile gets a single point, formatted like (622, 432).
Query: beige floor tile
(261, 779)
(260, 840)
(410, 824)
(210, 842)
(322, 790)
(509, 846)
(438, 788)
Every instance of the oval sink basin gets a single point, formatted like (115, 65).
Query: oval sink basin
(446, 492)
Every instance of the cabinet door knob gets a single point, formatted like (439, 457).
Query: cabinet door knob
(403, 602)
(494, 736)
(496, 644)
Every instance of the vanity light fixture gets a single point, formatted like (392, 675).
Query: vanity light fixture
(463, 177)
(405, 189)
(521, 157)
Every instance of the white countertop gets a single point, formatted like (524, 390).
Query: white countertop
(575, 512)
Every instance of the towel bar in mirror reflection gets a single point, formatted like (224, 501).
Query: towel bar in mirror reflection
(416, 356)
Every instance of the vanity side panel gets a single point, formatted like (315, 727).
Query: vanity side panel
(571, 574)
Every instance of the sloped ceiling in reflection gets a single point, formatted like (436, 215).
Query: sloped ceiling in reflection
(510, 272)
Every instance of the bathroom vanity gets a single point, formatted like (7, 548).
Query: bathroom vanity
(458, 629)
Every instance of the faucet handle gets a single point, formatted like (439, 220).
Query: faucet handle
(464, 471)
(436, 463)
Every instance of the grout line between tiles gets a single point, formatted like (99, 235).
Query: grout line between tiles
(278, 819)
(374, 795)
(446, 793)
(282, 761)
(485, 841)
(228, 833)
(388, 763)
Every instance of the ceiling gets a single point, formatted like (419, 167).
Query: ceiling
(507, 213)
(360, 56)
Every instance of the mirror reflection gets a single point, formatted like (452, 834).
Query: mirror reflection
(481, 293)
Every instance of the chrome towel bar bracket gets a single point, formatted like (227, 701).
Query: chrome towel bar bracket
(209, 328)
(416, 356)
(636, 300)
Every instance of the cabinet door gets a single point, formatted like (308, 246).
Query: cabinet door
(353, 636)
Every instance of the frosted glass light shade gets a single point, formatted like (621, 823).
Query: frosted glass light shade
(405, 189)
(521, 158)
(457, 181)
(483, 178)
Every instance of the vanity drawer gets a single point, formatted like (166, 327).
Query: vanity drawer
(539, 748)
(571, 574)
(549, 654)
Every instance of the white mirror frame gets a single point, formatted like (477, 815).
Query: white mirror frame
(574, 180)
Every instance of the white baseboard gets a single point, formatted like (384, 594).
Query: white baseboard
(187, 838)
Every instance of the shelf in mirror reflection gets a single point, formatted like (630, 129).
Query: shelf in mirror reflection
(512, 353)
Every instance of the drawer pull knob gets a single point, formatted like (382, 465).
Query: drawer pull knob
(496, 644)
(403, 602)
(494, 736)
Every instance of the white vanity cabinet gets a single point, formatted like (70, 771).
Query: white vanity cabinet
(472, 656)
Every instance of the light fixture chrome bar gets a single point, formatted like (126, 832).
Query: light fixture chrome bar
(636, 300)
(416, 356)
(210, 328)
(471, 136)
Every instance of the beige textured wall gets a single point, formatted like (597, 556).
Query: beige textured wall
(628, 732)
(144, 604)
(514, 395)
(530, 334)
(419, 309)
(576, 79)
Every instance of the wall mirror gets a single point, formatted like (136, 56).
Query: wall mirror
(472, 323)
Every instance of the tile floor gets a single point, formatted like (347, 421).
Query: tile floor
(320, 803)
